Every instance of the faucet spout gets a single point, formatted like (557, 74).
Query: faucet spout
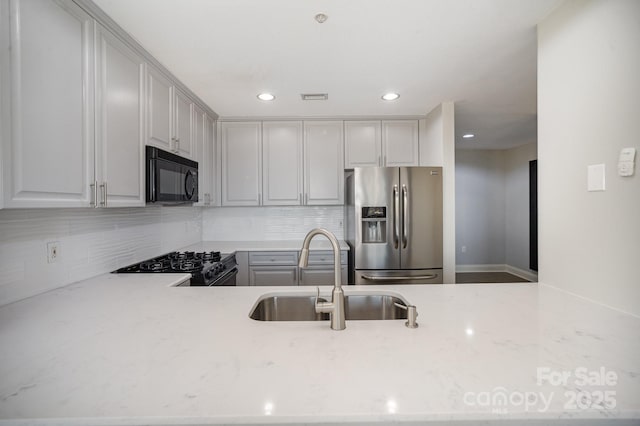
(336, 307)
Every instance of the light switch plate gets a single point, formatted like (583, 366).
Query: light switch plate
(626, 162)
(595, 177)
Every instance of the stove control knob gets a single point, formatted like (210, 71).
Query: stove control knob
(208, 275)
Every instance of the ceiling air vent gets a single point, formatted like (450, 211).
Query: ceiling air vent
(315, 96)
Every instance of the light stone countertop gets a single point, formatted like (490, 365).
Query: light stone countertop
(130, 349)
(318, 243)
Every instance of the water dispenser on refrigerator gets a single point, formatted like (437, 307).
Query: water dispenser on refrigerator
(374, 224)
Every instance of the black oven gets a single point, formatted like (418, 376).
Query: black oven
(171, 179)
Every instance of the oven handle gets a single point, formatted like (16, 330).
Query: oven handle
(229, 274)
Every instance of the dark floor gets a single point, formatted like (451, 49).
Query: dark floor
(487, 277)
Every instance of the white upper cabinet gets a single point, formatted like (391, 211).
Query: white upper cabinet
(203, 154)
(400, 143)
(169, 116)
(362, 144)
(159, 110)
(282, 163)
(389, 143)
(183, 124)
(241, 146)
(323, 162)
(48, 147)
(119, 123)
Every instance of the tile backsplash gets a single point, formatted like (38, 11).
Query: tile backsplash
(93, 242)
(90, 242)
(269, 223)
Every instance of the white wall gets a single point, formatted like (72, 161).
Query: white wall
(588, 109)
(91, 242)
(448, 193)
(269, 223)
(432, 138)
(437, 148)
(516, 180)
(492, 208)
(480, 207)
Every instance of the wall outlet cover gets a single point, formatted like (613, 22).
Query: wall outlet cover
(595, 177)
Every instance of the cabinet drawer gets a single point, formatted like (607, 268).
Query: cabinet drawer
(273, 258)
(325, 257)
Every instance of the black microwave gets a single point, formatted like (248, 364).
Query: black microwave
(171, 179)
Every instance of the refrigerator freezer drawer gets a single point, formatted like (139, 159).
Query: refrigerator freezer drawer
(399, 276)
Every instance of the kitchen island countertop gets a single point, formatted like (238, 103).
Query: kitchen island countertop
(132, 349)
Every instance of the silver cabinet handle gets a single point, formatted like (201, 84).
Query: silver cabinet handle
(405, 217)
(103, 194)
(94, 193)
(396, 213)
(401, 278)
(177, 145)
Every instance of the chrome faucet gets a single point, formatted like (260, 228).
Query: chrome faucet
(336, 307)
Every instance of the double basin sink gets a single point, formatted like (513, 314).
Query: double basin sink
(301, 307)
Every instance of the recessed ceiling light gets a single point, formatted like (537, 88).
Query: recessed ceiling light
(266, 97)
(321, 18)
(390, 96)
(468, 135)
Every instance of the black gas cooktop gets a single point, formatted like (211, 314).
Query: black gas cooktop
(206, 268)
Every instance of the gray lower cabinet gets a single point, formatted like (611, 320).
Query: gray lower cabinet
(273, 275)
(280, 268)
(318, 275)
(273, 268)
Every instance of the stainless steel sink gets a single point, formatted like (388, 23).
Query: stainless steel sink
(291, 307)
(287, 308)
(374, 307)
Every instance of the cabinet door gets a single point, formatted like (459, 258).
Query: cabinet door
(317, 276)
(400, 143)
(119, 122)
(183, 124)
(48, 156)
(282, 163)
(362, 144)
(273, 275)
(241, 163)
(200, 151)
(159, 110)
(203, 139)
(214, 169)
(323, 162)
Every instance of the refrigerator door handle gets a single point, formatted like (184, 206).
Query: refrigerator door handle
(400, 278)
(405, 218)
(396, 213)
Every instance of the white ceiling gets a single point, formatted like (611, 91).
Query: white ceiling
(479, 53)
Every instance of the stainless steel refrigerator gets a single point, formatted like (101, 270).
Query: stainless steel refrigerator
(394, 225)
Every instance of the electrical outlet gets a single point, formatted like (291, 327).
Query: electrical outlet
(53, 251)
(463, 249)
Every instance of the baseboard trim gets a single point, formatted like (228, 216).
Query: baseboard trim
(527, 275)
(481, 268)
(500, 267)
